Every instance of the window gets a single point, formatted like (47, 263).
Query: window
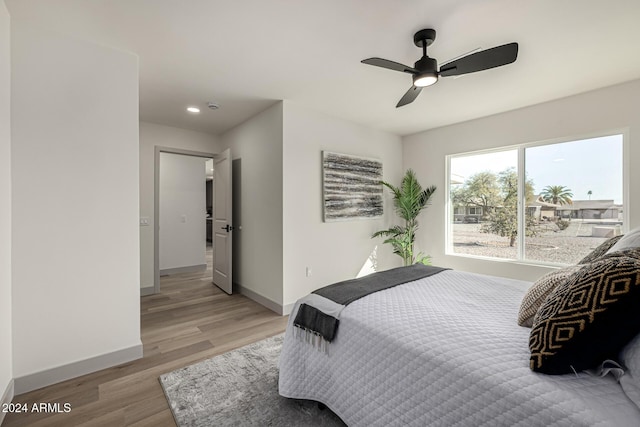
(473, 210)
(548, 203)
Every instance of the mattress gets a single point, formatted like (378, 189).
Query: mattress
(444, 351)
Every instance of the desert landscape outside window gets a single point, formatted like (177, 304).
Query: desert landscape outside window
(570, 194)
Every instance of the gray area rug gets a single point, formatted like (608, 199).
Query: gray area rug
(239, 388)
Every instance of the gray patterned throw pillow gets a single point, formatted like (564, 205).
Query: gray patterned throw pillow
(587, 319)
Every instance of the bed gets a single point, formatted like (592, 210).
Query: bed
(444, 350)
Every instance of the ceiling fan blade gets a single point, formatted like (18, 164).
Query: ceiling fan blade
(410, 96)
(483, 60)
(390, 65)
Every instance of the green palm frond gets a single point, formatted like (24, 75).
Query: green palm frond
(397, 194)
(423, 259)
(426, 195)
(393, 231)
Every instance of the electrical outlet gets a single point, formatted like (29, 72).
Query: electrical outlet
(144, 221)
(309, 271)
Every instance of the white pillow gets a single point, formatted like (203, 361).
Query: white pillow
(628, 241)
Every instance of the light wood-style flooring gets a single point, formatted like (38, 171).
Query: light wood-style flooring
(189, 321)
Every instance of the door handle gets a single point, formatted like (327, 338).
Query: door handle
(228, 228)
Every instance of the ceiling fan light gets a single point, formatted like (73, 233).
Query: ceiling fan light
(425, 79)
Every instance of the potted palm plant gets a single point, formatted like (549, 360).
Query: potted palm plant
(409, 200)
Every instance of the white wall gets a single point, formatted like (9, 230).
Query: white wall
(152, 135)
(256, 147)
(6, 373)
(182, 211)
(75, 244)
(612, 108)
(335, 250)
(277, 159)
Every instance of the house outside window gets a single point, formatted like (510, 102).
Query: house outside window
(549, 203)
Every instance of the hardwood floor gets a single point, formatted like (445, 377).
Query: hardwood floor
(189, 321)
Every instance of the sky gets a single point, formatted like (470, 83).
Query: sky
(593, 164)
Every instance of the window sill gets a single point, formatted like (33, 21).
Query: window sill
(510, 261)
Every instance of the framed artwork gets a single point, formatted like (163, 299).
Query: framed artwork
(351, 187)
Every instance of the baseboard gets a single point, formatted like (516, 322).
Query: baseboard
(260, 299)
(287, 309)
(186, 269)
(149, 290)
(58, 374)
(7, 397)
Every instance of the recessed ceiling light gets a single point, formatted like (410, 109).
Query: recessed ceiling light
(193, 109)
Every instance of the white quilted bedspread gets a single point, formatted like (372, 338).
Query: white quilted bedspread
(444, 351)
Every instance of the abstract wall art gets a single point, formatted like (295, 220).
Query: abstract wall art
(351, 187)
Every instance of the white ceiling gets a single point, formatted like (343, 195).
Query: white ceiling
(248, 54)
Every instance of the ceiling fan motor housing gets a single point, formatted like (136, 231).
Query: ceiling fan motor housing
(426, 67)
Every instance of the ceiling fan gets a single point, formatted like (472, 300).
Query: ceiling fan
(425, 70)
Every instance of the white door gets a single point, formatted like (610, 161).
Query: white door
(222, 226)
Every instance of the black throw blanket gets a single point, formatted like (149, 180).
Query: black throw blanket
(320, 318)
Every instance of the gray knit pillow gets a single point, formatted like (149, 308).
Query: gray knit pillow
(540, 290)
(600, 250)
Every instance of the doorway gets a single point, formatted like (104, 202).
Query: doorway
(179, 222)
